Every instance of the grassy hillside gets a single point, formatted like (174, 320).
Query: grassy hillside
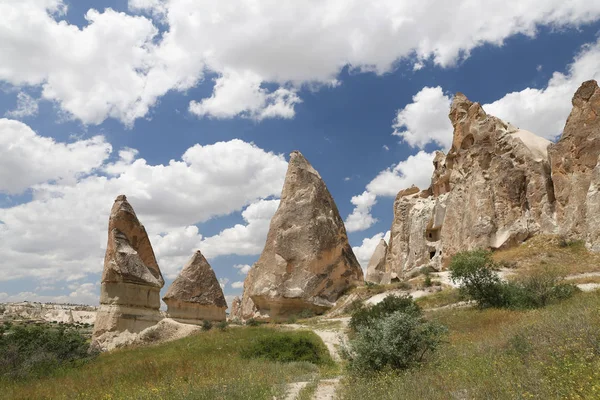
(208, 365)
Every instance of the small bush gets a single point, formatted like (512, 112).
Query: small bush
(428, 282)
(475, 271)
(222, 326)
(399, 341)
(289, 347)
(253, 322)
(207, 325)
(364, 316)
(292, 319)
(306, 313)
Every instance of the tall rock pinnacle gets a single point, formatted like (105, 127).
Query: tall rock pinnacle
(307, 262)
(131, 280)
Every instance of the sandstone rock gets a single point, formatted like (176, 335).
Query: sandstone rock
(195, 295)
(235, 311)
(307, 262)
(376, 267)
(493, 189)
(131, 281)
(573, 161)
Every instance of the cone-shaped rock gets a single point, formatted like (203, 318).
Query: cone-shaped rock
(131, 280)
(196, 294)
(376, 267)
(307, 262)
(573, 160)
(236, 305)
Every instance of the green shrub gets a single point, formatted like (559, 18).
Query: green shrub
(38, 350)
(289, 347)
(399, 340)
(253, 322)
(207, 325)
(306, 313)
(222, 326)
(476, 273)
(428, 282)
(363, 316)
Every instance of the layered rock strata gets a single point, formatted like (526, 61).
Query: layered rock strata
(195, 295)
(131, 280)
(307, 262)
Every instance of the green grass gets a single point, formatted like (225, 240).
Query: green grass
(442, 298)
(204, 366)
(549, 353)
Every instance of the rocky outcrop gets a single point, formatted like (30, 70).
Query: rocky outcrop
(131, 281)
(492, 190)
(376, 267)
(195, 295)
(574, 163)
(236, 304)
(307, 262)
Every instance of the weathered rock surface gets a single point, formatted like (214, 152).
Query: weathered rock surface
(493, 189)
(574, 163)
(307, 262)
(376, 267)
(195, 295)
(48, 312)
(131, 281)
(235, 311)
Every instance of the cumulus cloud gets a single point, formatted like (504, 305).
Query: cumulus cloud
(27, 106)
(415, 170)
(119, 64)
(243, 269)
(209, 181)
(27, 159)
(425, 120)
(361, 218)
(237, 285)
(545, 111)
(248, 239)
(365, 251)
(84, 293)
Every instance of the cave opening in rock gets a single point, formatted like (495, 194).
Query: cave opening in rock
(433, 234)
(431, 254)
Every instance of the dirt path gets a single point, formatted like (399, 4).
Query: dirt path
(326, 389)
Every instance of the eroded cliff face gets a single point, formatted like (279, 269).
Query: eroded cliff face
(376, 266)
(131, 280)
(499, 185)
(574, 163)
(307, 261)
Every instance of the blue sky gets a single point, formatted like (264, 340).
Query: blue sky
(95, 103)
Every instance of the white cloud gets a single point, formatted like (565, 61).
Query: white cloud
(27, 106)
(241, 94)
(84, 293)
(545, 111)
(248, 239)
(243, 268)
(27, 159)
(61, 233)
(119, 64)
(364, 252)
(237, 285)
(361, 218)
(415, 170)
(425, 120)
(223, 282)
(386, 147)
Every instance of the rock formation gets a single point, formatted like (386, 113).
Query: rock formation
(307, 261)
(236, 305)
(195, 295)
(574, 163)
(376, 267)
(493, 189)
(131, 281)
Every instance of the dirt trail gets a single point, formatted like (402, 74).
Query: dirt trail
(326, 389)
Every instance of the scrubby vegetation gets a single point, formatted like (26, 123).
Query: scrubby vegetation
(392, 334)
(476, 271)
(288, 347)
(32, 351)
(545, 353)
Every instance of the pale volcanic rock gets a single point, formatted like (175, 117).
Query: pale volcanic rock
(492, 190)
(236, 305)
(376, 266)
(573, 160)
(131, 281)
(195, 295)
(307, 262)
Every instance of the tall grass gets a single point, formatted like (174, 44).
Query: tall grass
(205, 366)
(549, 353)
